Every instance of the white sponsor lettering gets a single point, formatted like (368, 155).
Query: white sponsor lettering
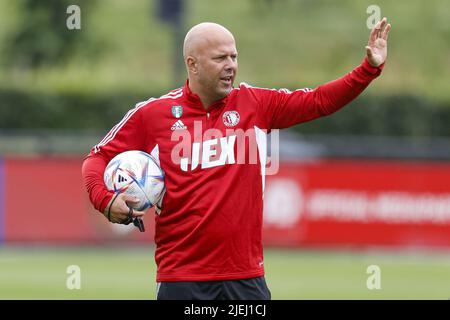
(211, 148)
(283, 201)
(356, 206)
(208, 150)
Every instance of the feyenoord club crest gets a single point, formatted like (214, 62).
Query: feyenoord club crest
(231, 118)
(177, 111)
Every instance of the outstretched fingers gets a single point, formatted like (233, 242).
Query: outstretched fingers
(382, 24)
(385, 34)
(377, 31)
(374, 33)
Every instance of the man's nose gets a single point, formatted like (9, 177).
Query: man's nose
(231, 64)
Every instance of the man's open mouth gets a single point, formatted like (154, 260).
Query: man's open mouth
(226, 80)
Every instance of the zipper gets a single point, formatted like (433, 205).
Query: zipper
(208, 115)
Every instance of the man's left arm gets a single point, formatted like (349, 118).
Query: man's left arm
(284, 109)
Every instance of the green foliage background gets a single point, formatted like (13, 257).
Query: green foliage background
(89, 78)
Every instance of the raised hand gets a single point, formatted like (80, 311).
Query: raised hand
(376, 48)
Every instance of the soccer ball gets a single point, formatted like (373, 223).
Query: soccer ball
(138, 174)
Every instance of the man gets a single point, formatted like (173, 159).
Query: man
(208, 230)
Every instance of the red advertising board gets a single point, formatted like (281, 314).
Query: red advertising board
(358, 203)
(320, 203)
(45, 201)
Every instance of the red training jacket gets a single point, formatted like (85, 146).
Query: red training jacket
(210, 223)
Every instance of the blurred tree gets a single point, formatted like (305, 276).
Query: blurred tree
(42, 36)
(172, 12)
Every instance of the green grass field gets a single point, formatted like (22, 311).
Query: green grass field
(127, 273)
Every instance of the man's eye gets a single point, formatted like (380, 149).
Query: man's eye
(225, 57)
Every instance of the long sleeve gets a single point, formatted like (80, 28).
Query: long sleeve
(92, 172)
(283, 108)
(128, 134)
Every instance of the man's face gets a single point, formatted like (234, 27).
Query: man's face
(217, 68)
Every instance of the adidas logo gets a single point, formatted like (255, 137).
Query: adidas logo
(121, 179)
(179, 125)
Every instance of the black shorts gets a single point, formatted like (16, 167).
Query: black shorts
(244, 289)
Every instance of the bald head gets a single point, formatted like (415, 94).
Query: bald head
(203, 36)
(210, 56)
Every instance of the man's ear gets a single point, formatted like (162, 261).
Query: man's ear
(191, 64)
